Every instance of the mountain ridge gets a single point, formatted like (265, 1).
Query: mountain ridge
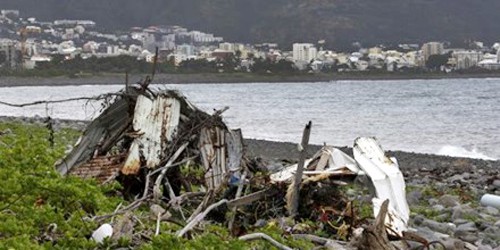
(339, 22)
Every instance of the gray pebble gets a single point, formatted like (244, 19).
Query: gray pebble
(469, 227)
(446, 228)
(491, 211)
(449, 200)
(438, 208)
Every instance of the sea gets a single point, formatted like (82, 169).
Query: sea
(454, 117)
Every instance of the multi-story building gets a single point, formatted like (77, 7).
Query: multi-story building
(432, 48)
(467, 59)
(304, 52)
(9, 53)
(227, 47)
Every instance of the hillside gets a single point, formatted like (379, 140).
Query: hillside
(339, 22)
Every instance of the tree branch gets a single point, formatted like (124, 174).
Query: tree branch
(99, 97)
(199, 218)
(256, 236)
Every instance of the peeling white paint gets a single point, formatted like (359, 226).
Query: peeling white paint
(156, 121)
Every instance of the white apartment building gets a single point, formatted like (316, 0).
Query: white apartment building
(467, 59)
(304, 52)
(432, 48)
(227, 47)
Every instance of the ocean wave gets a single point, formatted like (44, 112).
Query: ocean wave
(456, 151)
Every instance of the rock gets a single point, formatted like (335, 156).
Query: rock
(469, 227)
(433, 201)
(491, 211)
(446, 228)
(456, 178)
(488, 241)
(451, 243)
(484, 247)
(497, 224)
(427, 233)
(124, 227)
(260, 223)
(449, 200)
(467, 232)
(438, 208)
(470, 238)
(460, 221)
(491, 230)
(496, 184)
(443, 217)
(463, 212)
(418, 219)
(157, 209)
(414, 197)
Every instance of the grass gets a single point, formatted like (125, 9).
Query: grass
(40, 209)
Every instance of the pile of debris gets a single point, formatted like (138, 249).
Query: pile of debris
(177, 159)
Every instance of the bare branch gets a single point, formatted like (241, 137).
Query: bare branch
(264, 236)
(164, 171)
(238, 195)
(99, 97)
(199, 218)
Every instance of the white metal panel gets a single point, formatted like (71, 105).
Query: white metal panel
(156, 121)
(329, 160)
(387, 180)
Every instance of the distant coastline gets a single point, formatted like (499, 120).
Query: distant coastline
(113, 78)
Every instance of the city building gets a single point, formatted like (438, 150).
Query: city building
(9, 55)
(304, 52)
(432, 48)
(467, 59)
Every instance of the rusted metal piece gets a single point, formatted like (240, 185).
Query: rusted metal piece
(99, 136)
(156, 120)
(102, 168)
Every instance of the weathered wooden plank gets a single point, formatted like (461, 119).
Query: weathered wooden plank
(213, 154)
(253, 197)
(294, 196)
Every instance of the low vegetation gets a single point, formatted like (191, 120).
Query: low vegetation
(40, 209)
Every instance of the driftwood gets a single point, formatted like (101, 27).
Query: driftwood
(247, 199)
(256, 236)
(208, 197)
(160, 177)
(375, 237)
(199, 218)
(293, 195)
(329, 243)
(237, 196)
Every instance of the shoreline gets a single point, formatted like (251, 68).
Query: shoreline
(211, 78)
(277, 151)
